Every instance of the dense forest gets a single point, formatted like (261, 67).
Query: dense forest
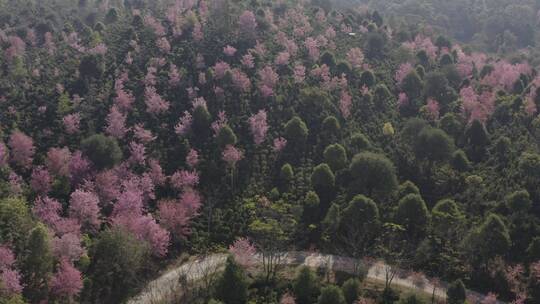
(134, 133)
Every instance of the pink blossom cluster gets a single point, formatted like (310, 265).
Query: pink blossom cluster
(433, 109)
(10, 278)
(258, 126)
(244, 252)
(155, 104)
(184, 125)
(345, 103)
(477, 107)
(421, 43)
(402, 72)
(505, 75)
(231, 155)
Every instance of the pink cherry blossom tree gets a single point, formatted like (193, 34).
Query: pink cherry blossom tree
(229, 51)
(192, 158)
(68, 247)
(243, 252)
(58, 160)
(154, 103)
(143, 135)
(258, 126)
(279, 144)
(41, 180)
(83, 206)
(79, 167)
(10, 279)
(299, 73)
(220, 69)
(72, 123)
(268, 80)
(183, 179)
(22, 149)
(355, 56)
(403, 70)
(282, 58)
(403, 99)
(312, 48)
(47, 210)
(240, 81)
(247, 24)
(184, 125)
(432, 108)
(156, 172)
(287, 299)
(116, 123)
(248, 61)
(67, 281)
(345, 104)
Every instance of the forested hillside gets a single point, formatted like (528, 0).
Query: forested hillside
(504, 26)
(134, 132)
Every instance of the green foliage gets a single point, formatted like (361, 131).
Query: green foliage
(477, 137)
(15, 221)
(296, 130)
(460, 161)
(412, 85)
(322, 177)
(436, 85)
(91, 66)
(373, 174)
(116, 268)
(519, 201)
(335, 156)
(331, 125)
(447, 219)
(328, 59)
(64, 104)
(359, 142)
(305, 286)
(351, 290)
(375, 44)
(406, 188)
(411, 299)
(201, 120)
(226, 137)
(37, 264)
(413, 214)
(358, 225)
(232, 287)
(367, 78)
(102, 150)
(434, 145)
(490, 239)
(286, 172)
(331, 295)
(13, 299)
(456, 293)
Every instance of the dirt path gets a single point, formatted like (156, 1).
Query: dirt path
(165, 286)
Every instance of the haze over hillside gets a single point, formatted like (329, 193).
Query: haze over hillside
(220, 142)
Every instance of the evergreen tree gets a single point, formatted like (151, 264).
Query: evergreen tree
(351, 290)
(335, 156)
(232, 287)
(305, 286)
(38, 264)
(373, 174)
(331, 295)
(456, 293)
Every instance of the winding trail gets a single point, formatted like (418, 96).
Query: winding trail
(166, 286)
